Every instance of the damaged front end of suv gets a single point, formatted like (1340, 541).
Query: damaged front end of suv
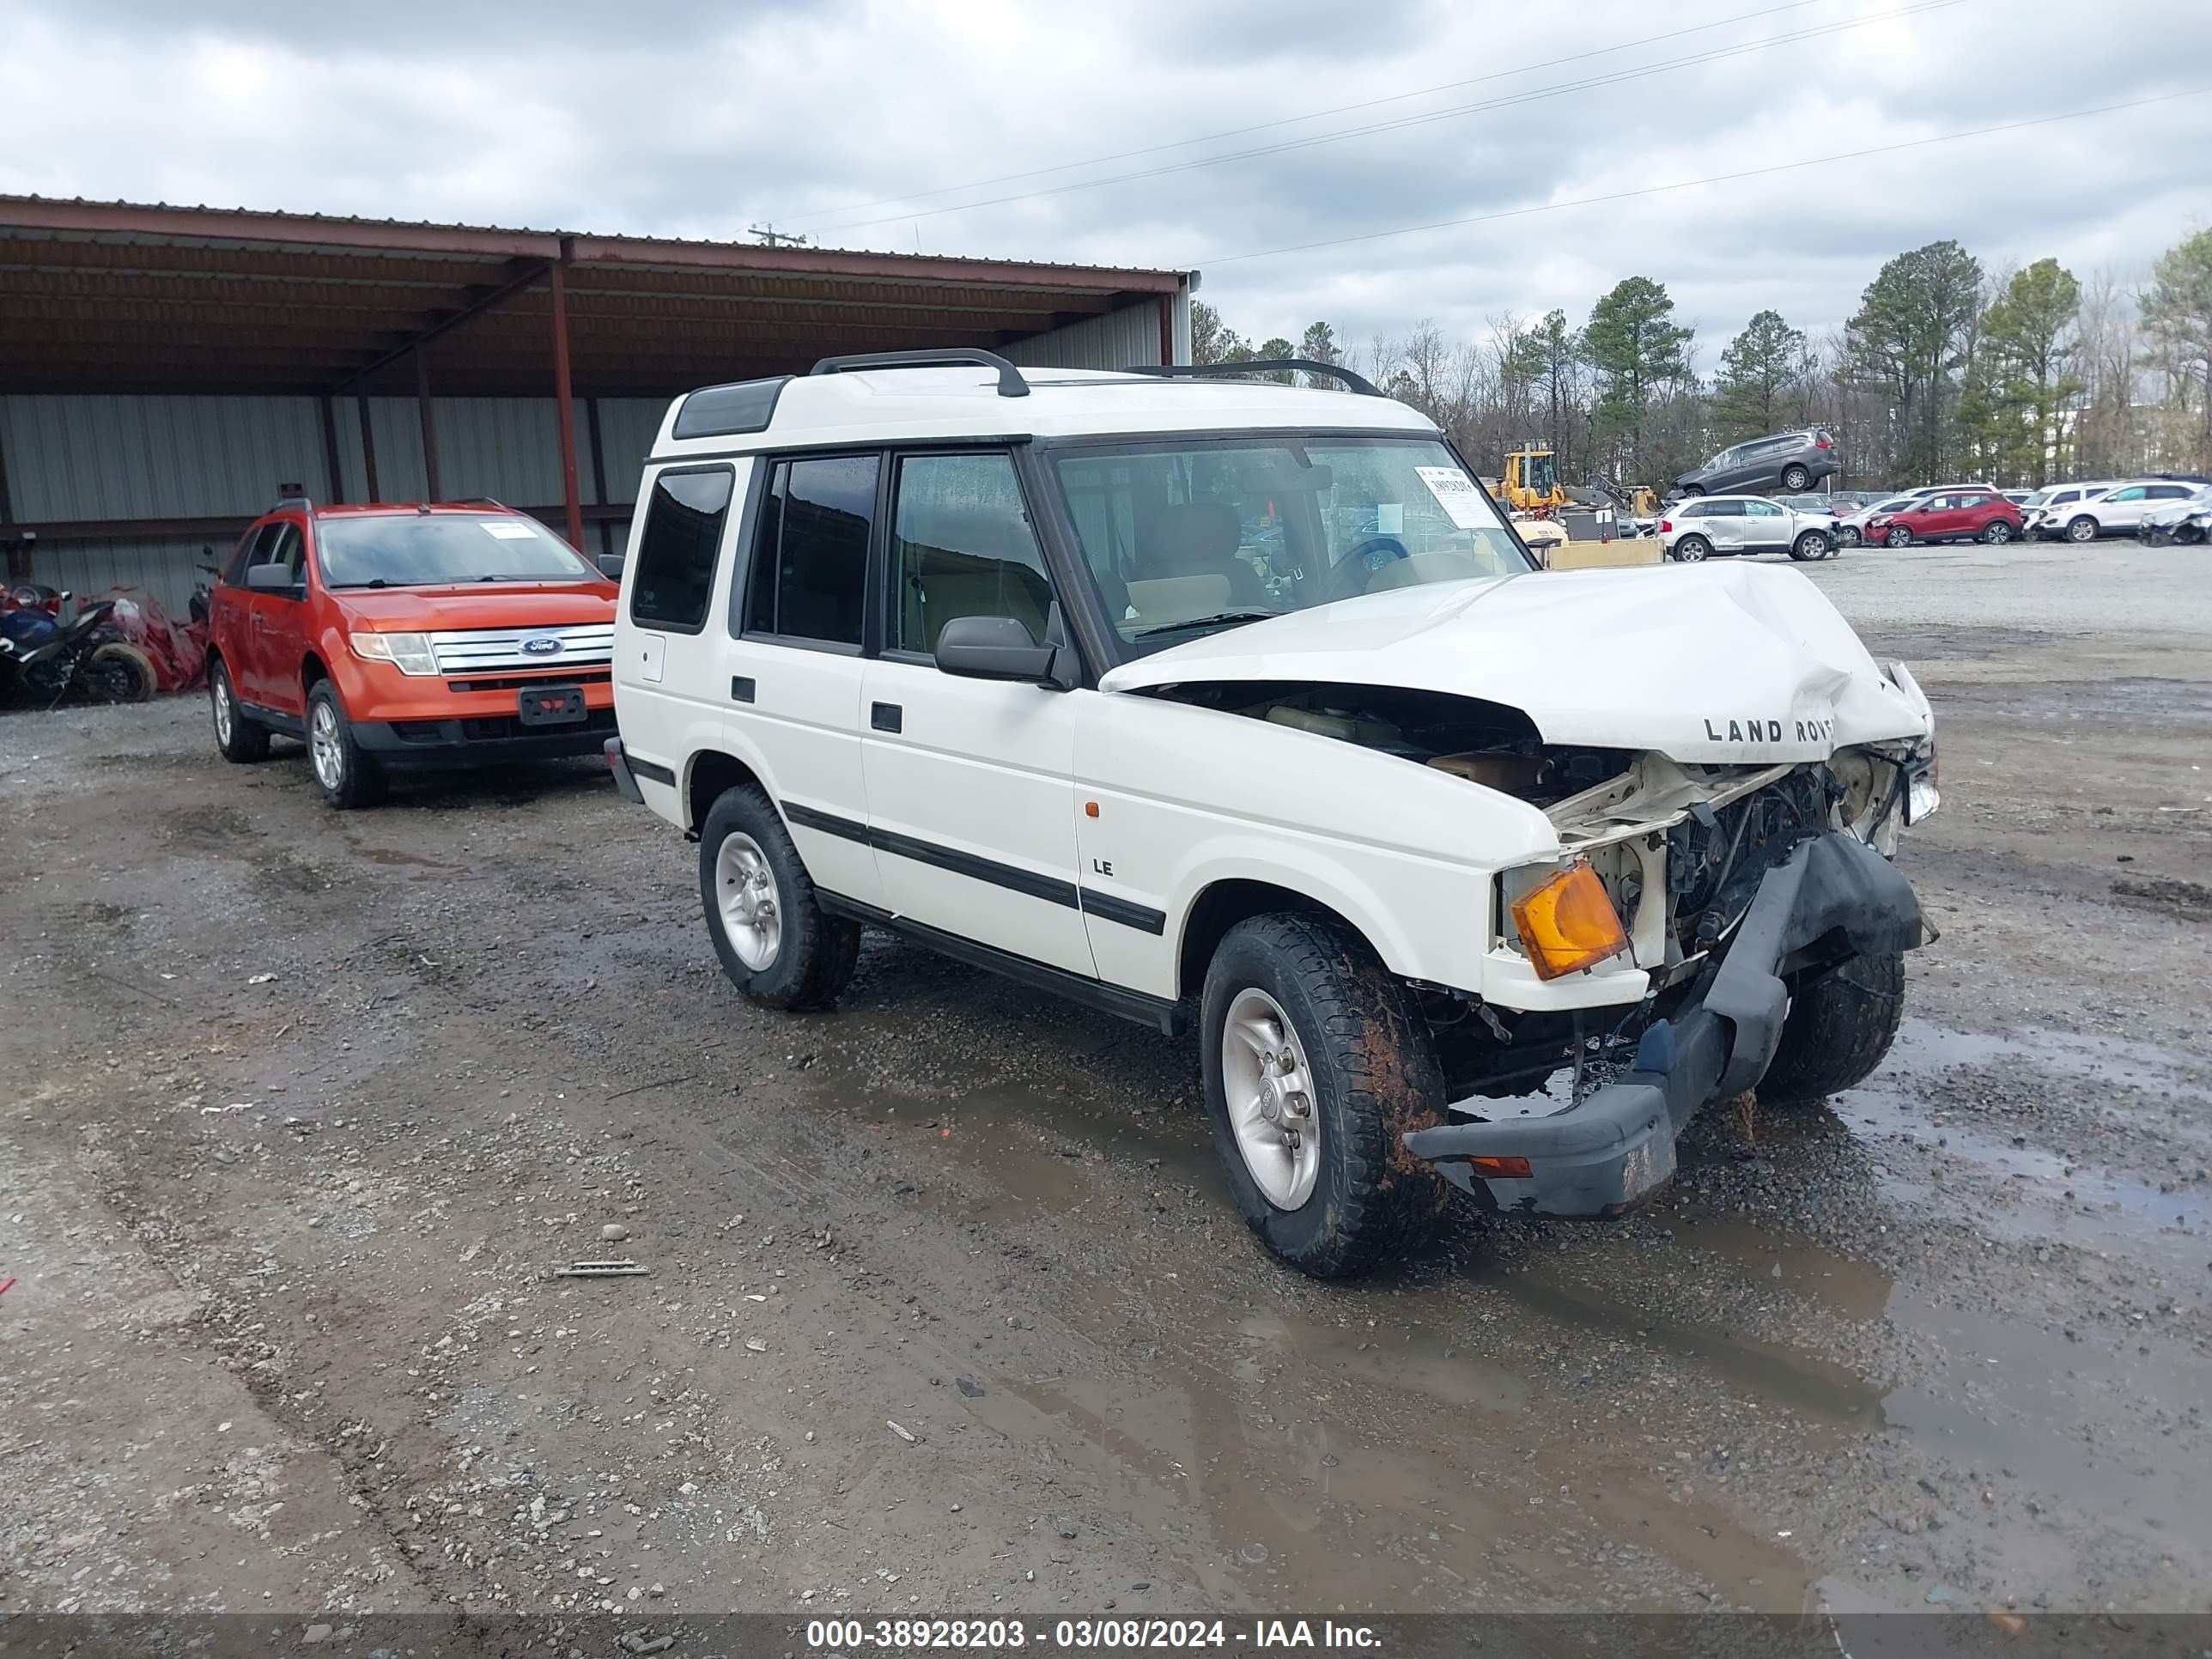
(1715, 909)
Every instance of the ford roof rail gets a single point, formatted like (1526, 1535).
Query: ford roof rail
(1011, 384)
(1358, 383)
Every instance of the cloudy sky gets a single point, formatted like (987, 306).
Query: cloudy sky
(1184, 133)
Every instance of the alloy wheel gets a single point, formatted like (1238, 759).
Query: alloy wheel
(1269, 1090)
(324, 747)
(751, 916)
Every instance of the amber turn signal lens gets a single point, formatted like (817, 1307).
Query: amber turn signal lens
(1500, 1168)
(1568, 923)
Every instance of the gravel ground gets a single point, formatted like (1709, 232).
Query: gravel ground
(946, 1307)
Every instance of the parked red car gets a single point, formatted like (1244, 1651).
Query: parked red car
(392, 637)
(1957, 515)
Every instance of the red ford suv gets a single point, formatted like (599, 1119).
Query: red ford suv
(391, 637)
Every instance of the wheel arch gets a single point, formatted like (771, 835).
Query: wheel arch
(1222, 904)
(708, 776)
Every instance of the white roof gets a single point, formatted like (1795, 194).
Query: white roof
(893, 405)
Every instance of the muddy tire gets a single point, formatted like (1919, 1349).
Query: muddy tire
(347, 774)
(776, 943)
(122, 673)
(1366, 1072)
(1838, 1029)
(237, 739)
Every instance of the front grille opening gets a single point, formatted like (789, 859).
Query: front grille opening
(516, 682)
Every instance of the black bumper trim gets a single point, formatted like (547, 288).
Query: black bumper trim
(1835, 898)
(651, 771)
(625, 783)
(452, 752)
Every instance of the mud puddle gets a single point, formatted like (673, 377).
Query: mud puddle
(2043, 1194)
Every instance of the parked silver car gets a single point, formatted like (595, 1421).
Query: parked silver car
(1709, 526)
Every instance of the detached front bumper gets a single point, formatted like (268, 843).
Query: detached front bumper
(1835, 898)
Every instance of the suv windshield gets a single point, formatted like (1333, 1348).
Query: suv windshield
(426, 549)
(1187, 535)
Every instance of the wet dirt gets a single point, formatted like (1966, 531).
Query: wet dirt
(1948, 1331)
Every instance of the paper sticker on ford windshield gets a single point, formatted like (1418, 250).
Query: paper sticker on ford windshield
(1457, 494)
(507, 530)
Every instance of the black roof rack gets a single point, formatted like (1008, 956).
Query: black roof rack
(1011, 384)
(1358, 383)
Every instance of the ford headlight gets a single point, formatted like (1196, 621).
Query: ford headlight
(410, 653)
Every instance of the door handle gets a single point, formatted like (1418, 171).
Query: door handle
(887, 717)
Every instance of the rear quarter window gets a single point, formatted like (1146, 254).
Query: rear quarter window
(677, 547)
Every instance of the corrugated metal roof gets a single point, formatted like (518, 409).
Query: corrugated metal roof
(130, 297)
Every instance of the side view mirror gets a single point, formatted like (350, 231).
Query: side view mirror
(995, 648)
(270, 579)
(610, 565)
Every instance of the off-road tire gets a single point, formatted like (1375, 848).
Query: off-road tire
(1838, 1029)
(1375, 1074)
(1692, 549)
(1810, 546)
(248, 739)
(360, 780)
(816, 956)
(1796, 478)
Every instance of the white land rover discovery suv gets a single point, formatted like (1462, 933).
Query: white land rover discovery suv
(1235, 708)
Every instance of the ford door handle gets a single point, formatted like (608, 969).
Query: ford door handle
(887, 717)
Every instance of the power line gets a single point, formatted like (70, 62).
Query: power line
(1611, 78)
(1713, 179)
(1313, 115)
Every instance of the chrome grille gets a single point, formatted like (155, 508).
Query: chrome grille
(476, 650)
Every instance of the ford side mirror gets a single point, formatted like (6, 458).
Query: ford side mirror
(270, 579)
(995, 648)
(610, 565)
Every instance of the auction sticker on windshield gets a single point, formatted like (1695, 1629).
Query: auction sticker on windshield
(1457, 494)
(509, 533)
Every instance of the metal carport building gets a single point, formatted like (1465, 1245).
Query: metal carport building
(164, 369)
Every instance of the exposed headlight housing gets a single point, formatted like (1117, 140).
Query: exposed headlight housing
(1567, 923)
(410, 653)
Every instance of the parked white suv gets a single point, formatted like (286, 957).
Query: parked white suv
(1705, 527)
(1235, 707)
(2119, 511)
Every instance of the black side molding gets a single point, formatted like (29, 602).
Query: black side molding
(1172, 1019)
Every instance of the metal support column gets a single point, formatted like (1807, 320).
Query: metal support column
(598, 470)
(1166, 303)
(331, 450)
(564, 407)
(430, 490)
(368, 448)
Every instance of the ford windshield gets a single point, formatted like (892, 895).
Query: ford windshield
(1187, 535)
(423, 550)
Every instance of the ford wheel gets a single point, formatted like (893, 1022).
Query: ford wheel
(1809, 546)
(238, 737)
(1693, 550)
(347, 777)
(2081, 529)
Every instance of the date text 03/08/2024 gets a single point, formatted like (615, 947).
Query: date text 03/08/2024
(847, 1635)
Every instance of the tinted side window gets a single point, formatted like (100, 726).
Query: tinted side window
(1718, 510)
(676, 550)
(811, 561)
(281, 543)
(962, 546)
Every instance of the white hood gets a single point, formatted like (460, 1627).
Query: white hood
(1718, 664)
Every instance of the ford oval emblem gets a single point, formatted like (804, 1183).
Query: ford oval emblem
(541, 645)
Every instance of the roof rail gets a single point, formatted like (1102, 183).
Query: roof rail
(1358, 383)
(292, 495)
(1011, 383)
